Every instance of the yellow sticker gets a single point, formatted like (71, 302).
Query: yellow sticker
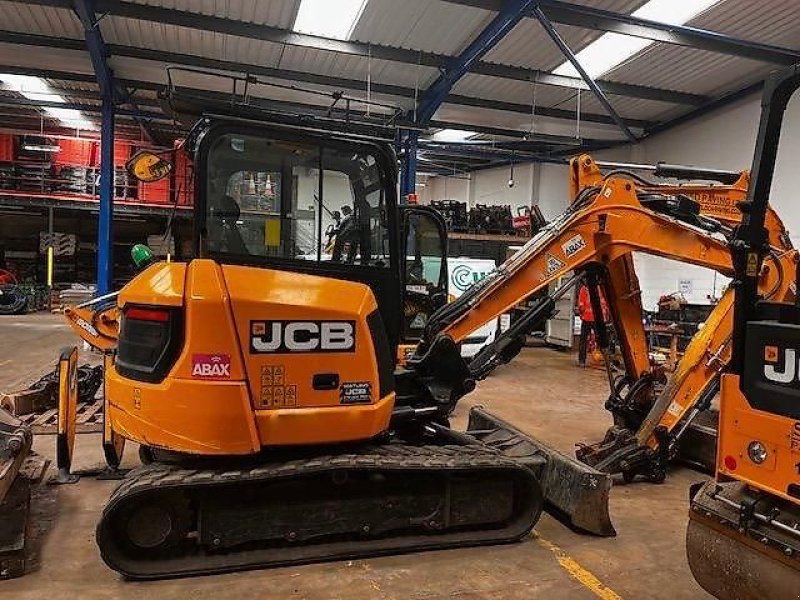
(752, 264)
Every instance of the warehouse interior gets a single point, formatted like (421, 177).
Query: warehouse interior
(426, 299)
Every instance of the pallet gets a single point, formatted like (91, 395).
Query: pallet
(89, 419)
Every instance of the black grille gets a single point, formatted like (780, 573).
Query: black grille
(383, 354)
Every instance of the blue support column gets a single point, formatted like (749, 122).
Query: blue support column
(105, 234)
(408, 171)
(98, 53)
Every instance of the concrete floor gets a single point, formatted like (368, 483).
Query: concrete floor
(541, 392)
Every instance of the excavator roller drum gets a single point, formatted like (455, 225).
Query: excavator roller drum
(574, 493)
(739, 545)
(169, 520)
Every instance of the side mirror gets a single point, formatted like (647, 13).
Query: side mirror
(147, 167)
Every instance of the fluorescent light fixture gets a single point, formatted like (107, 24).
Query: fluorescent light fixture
(611, 49)
(36, 89)
(329, 18)
(40, 148)
(452, 135)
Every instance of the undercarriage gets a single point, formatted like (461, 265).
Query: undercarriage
(442, 490)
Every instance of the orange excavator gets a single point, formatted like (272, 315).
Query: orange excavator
(651, 416)
(743, 537)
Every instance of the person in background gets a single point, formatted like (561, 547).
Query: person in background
(585, 312)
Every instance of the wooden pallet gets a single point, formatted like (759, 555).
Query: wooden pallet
(89, 417)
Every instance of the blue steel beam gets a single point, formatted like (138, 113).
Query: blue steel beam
(105, 235)
(98, 52)
(512, 12)
(565, 50)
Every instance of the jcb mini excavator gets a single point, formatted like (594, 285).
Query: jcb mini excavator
(180, 516)
(259, 378)
(743, 537)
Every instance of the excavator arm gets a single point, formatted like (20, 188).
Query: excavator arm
(602, 226)
(647, 428)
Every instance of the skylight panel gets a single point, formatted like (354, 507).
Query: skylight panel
(329, 18)
(452, 135)
(612, 49)
(36, 89)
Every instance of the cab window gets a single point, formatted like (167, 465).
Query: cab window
(291, 200)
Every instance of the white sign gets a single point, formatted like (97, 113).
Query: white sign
(573, 245)
(685, 286)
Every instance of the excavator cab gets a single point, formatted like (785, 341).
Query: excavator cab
(268, 195)
(743, 539)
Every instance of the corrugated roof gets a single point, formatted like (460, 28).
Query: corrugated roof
(185, 40)
(425, 25)
(42, 20)
(776, 22)
(528, 45)
(510, 90)
(279, 13)
(632, 108)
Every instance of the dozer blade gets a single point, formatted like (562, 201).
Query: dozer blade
(574, 492)
(743, 553)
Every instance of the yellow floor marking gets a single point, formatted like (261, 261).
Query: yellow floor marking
(571, 566)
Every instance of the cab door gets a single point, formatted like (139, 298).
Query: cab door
(423, 269)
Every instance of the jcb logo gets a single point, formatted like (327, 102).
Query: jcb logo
(790, 365)
(283, 337)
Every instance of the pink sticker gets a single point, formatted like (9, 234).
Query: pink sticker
(211, 366)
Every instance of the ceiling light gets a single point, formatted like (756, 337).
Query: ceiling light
(611, 49)
(36, 89)
(452, 135)
(40, 147)
(328, 18)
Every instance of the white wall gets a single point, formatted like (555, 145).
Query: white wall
(724, 139)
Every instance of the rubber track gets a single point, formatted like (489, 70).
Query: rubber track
(395, 456)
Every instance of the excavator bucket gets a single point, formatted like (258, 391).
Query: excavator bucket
(574, 492)
(739, 547)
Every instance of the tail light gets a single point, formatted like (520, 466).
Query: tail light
(149, 342)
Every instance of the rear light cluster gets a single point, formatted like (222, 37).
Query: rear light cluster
(150, 340)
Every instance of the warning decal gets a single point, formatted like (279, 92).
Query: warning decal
(553, 265)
